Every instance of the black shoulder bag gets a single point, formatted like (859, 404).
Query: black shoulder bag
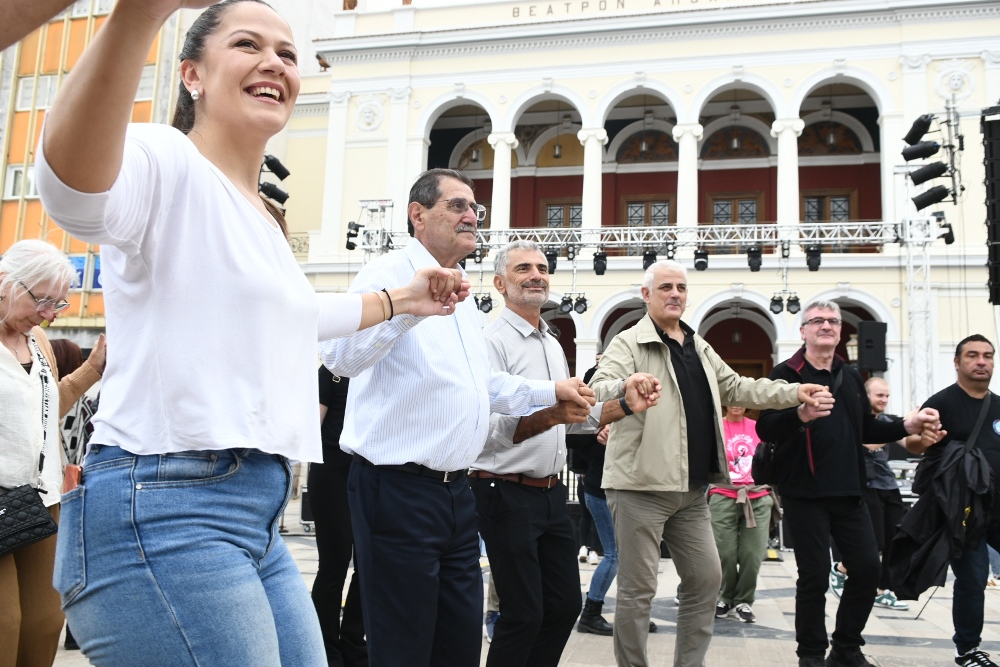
(770, 461)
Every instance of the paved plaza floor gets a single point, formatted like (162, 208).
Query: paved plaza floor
(895, 638)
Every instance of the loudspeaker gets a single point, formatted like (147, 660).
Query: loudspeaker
(871, 346)
(990, 124)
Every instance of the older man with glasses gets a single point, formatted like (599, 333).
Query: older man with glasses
(821, 486)
(418, 415)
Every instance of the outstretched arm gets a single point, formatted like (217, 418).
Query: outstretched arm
(20, 17)
(94, 105)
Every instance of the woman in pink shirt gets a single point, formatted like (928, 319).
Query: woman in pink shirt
(741, 514)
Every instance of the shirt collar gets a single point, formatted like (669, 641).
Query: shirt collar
(522, 325)
(421, 258)
(688, 332)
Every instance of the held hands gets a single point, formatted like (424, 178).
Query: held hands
(927, 423)
(602, 435)
(575, 391)
(98, 355)
(642, 391)
(568, 412)
(817, 402)
(433, 291)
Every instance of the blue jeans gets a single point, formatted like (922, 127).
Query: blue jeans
(971, 571)
(608, 569)
(175, 559)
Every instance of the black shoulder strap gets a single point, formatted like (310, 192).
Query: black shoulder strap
(979, 422)
(838, 377)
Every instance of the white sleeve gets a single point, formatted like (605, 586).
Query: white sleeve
(339, 315)
(118, 217)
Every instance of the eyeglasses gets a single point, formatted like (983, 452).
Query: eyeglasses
(459, 205)
(45, 304)
(818, 321)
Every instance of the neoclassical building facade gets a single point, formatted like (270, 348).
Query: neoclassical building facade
(677, 114)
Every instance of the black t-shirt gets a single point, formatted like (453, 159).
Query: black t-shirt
(959, 413)
(699, 407)
(333, 394)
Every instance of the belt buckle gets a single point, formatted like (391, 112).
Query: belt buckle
(446, 480)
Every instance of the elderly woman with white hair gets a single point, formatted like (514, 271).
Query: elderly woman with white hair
(34, 280)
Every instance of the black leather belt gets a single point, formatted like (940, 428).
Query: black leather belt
(416, 469)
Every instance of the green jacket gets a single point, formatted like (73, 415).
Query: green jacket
(648, 451)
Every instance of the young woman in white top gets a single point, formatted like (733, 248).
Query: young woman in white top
(169, 551)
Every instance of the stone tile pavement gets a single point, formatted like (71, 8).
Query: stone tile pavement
(895, 639)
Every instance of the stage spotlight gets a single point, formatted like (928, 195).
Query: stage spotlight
(919, 128)
(671, 249)
(926, 173)
(777, 305)
(581, 305)
(477, 255)
(793, 305)
(930, 197)
(551, 256)
(486, 303)
(274, 166)
(948, 234)
(700, 259)
(570, 253)
(648, 259)
(600, 262)
(353, 229)
(566, 305)
(814, 255)
(272, 191)
(922, 150)
(754, 258)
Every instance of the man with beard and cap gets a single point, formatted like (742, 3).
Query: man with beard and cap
(521, 501)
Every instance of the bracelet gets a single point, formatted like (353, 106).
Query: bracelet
(625, 408)
(385, 311)
(392, 310)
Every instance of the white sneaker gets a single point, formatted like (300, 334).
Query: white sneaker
(592, 558)
(582, 555)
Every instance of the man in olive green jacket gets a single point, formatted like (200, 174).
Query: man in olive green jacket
(659, 462)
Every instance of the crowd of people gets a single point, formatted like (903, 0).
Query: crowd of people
(429, 432)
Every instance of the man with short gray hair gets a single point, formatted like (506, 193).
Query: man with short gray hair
(521, 500)
(658, 466)
(821, 485)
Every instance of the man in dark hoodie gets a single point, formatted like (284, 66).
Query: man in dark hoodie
(822, 489)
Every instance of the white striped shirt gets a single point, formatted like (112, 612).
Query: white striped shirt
(422, 394)
(518, 347)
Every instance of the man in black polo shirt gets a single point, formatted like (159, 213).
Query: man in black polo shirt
(823, 492)
(959, 406)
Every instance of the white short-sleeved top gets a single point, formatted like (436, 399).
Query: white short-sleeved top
(212, 325)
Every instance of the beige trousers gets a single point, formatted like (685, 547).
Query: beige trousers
(683, 519)
(31, 617)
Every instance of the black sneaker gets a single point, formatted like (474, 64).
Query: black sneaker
(722, 609)
(812, 661)
(744, 613)
(847, 656)
(975, 658)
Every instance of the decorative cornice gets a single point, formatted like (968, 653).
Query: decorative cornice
(466, 43)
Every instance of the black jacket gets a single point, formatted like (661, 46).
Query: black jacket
(956, 493)
(784, 426)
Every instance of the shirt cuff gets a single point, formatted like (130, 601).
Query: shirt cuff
(543, 393)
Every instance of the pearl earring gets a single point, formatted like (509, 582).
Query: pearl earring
(195, 95)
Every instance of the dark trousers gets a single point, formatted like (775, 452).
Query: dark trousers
(532, 554)
(344, 641)
(886, 509)
(971, 571)
(811, 522)
(416, 546)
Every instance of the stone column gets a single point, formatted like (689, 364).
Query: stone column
(397, 187)
(503, 143)
(894, 199)
(332, 232)
(991, 59)
(687, 136)
(586, 350)
(787, 131)
(593, 140)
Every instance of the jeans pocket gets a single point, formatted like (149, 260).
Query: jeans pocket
(70, 575)
(192, 468)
